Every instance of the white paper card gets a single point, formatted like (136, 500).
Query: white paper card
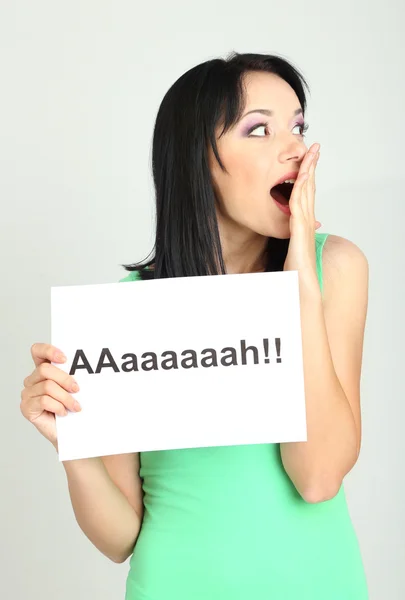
(181, 363)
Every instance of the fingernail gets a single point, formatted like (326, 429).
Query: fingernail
(77, 407)
(59, 357)
(75, 388)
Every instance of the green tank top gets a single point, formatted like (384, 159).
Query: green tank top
(226, 523)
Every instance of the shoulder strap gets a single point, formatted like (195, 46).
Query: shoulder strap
(320, 239)
(132, 276)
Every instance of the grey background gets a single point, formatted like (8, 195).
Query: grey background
(80, 86)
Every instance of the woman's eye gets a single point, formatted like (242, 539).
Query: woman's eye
(302, 129)
(261, 126)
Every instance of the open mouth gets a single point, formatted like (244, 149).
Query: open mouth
(282, 192)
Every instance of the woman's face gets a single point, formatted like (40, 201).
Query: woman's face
(257, 152)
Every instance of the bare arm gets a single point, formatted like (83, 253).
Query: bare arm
(332, 334)
(110, 517)
(106, 492)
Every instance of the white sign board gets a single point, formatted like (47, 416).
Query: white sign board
(181, 363)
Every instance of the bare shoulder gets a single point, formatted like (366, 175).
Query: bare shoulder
(344, 265)
(345, 301)
(339, 251)
(124, 471)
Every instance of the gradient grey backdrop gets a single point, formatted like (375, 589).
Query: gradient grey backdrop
(81, 83)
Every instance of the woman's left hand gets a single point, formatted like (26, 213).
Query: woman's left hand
(301, 254)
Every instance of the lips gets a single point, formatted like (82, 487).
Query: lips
(281, 192)
(291, 175)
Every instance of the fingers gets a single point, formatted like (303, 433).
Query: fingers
(54, 391)
(300, 188)
(314, 149)
(308, 158)
(310, 188)
(48, 388)
(306, 197)
(311, 165)
(46, 353)
(295, 202)
(47, 371)
(51, 405)
(311, 170)
(46, 395)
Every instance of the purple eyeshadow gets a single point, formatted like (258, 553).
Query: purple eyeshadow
(251, 124)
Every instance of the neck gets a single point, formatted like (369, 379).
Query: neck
(243, 250)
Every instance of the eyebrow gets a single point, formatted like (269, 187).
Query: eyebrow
(269, 113)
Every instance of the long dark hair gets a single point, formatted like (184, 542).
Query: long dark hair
(187, 240)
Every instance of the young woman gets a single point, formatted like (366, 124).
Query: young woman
(265, 521)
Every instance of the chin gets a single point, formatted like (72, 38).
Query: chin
(275, 230)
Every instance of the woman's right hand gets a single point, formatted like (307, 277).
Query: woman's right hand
(47, 391)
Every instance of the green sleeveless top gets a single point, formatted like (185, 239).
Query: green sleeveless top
(226, 523)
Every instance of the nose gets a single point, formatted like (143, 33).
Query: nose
(294, 151)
